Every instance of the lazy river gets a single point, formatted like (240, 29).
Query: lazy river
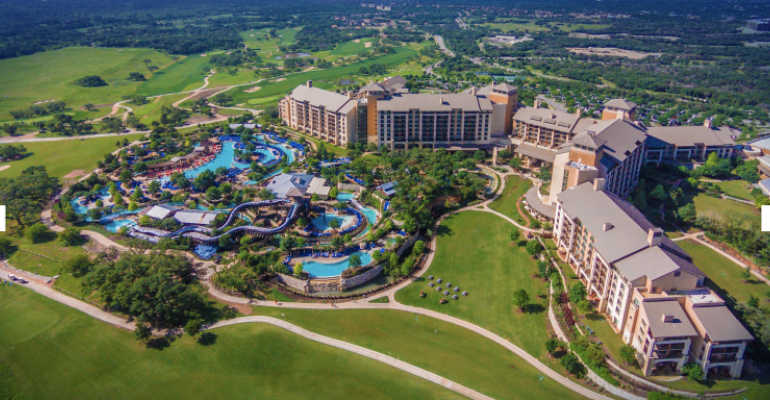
(324, 270)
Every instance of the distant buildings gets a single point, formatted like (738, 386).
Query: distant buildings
(759, 25)
(648, 286)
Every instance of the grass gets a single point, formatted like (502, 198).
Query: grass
(48, 350)
(475, 253)
(737, 188)
(280, 88)
(51, 75)
(48, 258)
(579, 27)
(723, 274)
(151, 111)
(517, 27)
(331, 148)
(515, 187)
(62, 157)
(722, 208)
(186, 74)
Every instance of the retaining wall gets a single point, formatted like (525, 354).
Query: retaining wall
(354, 187)
(294, 283)
(408, 244)
(358, 280)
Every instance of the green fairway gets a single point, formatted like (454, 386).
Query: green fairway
(515, 187)
(186, 74)
(63, 156)
(50, 351)
(474, 253)
(151, 111)
(707, 206)
(723, 273)
(291, 81)
(51, 76)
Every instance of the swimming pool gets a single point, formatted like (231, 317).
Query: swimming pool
(323, 270)
(322, 222)
(225, 158)
(115, 225)
(371, 215)
(346, 197)
(81, 209)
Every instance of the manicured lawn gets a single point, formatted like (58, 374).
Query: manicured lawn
(336, 150)
(723, 273)
(151, 111)
(737, 188)
(52, 351)
(706, 205)
(515, 187)
(285, 86)
(48, 258)
(51, 75)
(474, 252)
(62, 157)
(445, 349)
(185, 74)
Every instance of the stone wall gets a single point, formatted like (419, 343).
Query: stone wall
(409, 242)
(329, 285)
(294, 283)
(354, 187)
(359, 280)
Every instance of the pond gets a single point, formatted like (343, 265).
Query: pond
(293, 55)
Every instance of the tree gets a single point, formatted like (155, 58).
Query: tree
(753, 301)
(514, 235)
(70, 236)
(117, 198)
(628, 354)
(132, 206)
(213, 194)
(314, 197)
(520, 299)
(298, 270)
(577, 292)
(205, 180)
(419, 248)
(354, 261)
(79, 265)
(407, 266)
(571, 363)
(89, 106)
(6, 247)
(154, 187)
(266, 194)
(136, 76)
(138, 194)
(91, 81)
(37, 233)
(542, 269)
(126, 176)
(692, 370)
(142, 332)
(659, 193)
(393, 260)
(687, 213)
(224, 241)
(746, 275)
(552, 345)
(533, 247)
(334, 223)
(193, 327)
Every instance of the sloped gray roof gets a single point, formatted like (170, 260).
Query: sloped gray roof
(621, 137)
(393, 82)
(684, 136)
(594, 209)
(504, 87)
(536, 152)
(720, 324)
(545, 118)
(591, 141)
(679, 326)
(373, 87)
(195, 217)
(319, 97)
(289, 185)
(433, 102)
(161, 211)
(534, 201)
(651, 262)
(621, 104)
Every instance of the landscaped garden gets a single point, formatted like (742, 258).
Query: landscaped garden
(515, 188)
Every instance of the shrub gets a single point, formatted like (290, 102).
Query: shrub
(37, 233)
(577, 292)
(571, 363)
(693, 371)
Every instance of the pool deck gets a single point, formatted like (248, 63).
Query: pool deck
(323, 260)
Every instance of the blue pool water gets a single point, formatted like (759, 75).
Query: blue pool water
(115, 225)
(345, 196)
(80, 209)
(322, 222)
(371, 215)
(223, 159)
(322, 270)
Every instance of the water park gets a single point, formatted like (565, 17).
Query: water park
(211, 201)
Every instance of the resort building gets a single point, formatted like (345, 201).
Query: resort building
(292, 185)
(320, 113)
(385, 113)
(686, 143)
(645, 284)
(160, 211)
